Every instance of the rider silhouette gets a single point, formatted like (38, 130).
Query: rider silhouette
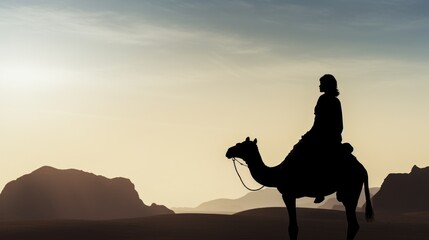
(324, 138)
(328, 120)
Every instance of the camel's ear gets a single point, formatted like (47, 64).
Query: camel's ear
(247, 139)
(255, 141)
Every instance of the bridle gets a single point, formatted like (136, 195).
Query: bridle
(239, 176)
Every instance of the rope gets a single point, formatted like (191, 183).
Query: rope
(239, 176)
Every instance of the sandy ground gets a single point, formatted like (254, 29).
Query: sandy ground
(270, 223)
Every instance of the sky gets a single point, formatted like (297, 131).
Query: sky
(156, 91)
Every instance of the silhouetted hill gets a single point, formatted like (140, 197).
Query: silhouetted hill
(268, 197)
(402, 192)
(49, 193)
(332, 203)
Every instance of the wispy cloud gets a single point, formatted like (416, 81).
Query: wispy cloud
(105, 26)
(113, 27)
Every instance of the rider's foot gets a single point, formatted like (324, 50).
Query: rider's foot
(319, 199)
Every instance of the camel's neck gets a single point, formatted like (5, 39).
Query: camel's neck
(267, 176)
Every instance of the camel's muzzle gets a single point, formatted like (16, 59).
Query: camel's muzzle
(229, 154)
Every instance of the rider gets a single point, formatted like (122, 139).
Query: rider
(328, 120)
(325, 135)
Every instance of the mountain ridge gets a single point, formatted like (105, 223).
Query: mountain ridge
(404, 192)
(50, 193)
(268, 197)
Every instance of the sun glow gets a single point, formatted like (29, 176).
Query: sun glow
(27, 76)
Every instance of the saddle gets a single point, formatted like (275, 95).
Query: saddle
(321, 165)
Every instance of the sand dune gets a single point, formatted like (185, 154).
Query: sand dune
(270, 223)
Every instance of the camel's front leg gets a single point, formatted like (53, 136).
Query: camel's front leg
(290, 202)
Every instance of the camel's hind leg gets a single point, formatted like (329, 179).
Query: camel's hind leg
(350, 201)
(293, 223)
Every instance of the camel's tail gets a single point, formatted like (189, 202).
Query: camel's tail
(369, 212)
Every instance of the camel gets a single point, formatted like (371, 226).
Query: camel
(301, 178)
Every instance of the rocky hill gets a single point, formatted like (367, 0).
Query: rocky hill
(49, 193)
(404, 192)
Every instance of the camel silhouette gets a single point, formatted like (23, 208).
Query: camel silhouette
(298, 178)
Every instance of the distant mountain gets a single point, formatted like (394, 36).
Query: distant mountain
(404, 193)
(264, 198)
(268, 197)
(49, 193)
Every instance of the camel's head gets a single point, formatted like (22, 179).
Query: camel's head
(243, 150)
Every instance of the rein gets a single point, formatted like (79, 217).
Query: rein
(239, 176)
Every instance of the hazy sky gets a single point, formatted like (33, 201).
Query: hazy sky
(157, 90)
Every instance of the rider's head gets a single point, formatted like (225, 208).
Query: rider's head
(328, 85)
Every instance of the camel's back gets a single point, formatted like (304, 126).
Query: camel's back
(312, 177)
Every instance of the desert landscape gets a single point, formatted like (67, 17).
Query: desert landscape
(66, 217)
(267, 223)
(125, 120)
